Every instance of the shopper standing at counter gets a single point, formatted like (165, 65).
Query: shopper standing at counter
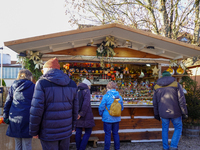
(169, 104)
(85, 115)
(54, 108)
(110, 123)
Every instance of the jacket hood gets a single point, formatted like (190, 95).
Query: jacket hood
(22, 84)
(57, 76)
(164, 81)
(114, 93)
(83, 86)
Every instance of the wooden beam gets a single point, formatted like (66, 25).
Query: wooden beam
(120, 52)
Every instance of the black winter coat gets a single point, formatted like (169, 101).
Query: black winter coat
(54, 108)
(169, 99)
(87, 118)
(17, 108)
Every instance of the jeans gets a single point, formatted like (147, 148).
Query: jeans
(177, 122)
(56, 145)
(23, 143)
(81, 144)
(114, 127)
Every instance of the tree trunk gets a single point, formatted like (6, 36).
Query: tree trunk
(195, 38)
(164, 18)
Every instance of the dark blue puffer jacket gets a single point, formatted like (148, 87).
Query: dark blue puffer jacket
(17, 107)
(169, 99)
(54, 108)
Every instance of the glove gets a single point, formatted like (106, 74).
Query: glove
(6, 121)
(184, 117)
(157, 117)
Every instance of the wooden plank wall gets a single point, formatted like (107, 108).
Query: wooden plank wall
(137, 124)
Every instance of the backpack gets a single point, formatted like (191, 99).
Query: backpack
(115, 108)
(80, 98)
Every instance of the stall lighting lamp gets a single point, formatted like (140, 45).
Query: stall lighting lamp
(149, 65)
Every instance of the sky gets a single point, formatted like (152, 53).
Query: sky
(28, 18)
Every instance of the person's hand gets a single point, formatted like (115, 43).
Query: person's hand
(157, 117)
(79, 117)
(6, 121)
(184, 117)
(35, 137)
(73, 131)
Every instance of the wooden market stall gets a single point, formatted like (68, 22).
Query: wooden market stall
(133, 47)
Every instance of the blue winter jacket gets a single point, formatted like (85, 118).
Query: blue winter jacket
(17, 107)
(107, 101)
(54, 108)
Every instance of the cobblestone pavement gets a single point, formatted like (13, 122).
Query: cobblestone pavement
(184, 144)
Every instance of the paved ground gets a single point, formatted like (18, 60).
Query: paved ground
(184, 144)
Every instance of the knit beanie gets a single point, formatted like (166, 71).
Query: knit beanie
(87, 82)
(166, 74)
(111, 85)
(52, 63)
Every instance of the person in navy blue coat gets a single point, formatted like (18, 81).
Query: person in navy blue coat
(54, 108)
(16, 110)
(85, 116)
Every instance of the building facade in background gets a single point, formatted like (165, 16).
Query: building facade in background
(10, 69)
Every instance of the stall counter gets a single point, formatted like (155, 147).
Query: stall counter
(137, 125)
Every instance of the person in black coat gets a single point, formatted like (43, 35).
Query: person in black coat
(85, 116)
(16, 110)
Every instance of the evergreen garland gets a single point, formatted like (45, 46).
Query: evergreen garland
(29, 64)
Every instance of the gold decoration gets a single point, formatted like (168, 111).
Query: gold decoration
(110, 51)
(34, 55)
(170, 70)
(155, 70)
(110, 41)
(180, 70)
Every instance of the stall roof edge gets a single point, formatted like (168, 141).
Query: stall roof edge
(141, 40)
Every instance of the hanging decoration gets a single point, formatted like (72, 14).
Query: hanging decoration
(102, 63)
(180, 70)
(38, 64)
(142, 74)
(173, 63)
(105, 49)
(66, 66)
(155, 70)
(191, 61)
(182, 65)
(34, 56)
(21, 60)
(170, 70)
(33, 62)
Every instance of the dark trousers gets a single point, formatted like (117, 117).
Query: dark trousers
(56, 145)
(81, 144)
(114, 127)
